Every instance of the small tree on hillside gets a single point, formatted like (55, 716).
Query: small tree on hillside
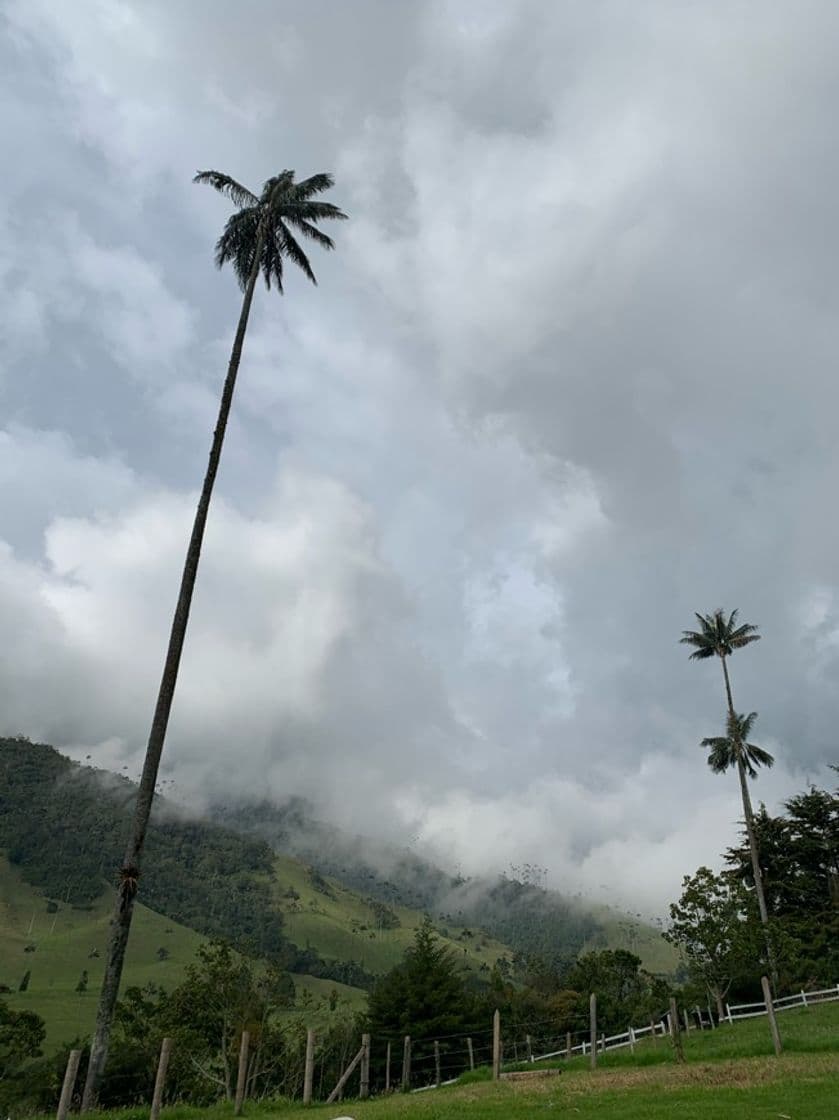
(22, 1034)
(626, 992)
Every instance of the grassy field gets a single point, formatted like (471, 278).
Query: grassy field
(619, 931)
(729, 1074)
(65, 940)
(340, 924)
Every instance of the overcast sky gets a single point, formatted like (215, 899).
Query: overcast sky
(569, 376)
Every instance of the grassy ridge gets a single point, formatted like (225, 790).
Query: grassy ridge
(619, 931)
(64, 942)
(341, 924)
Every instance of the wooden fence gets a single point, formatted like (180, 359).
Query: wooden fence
(444, 1065)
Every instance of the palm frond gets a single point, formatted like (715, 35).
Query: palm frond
(704, 646)
(315, 184)
(314, 211)
(310, 231)
(720, 753)
(743, 635)
(237, 243)
(742, 725)
(228, 186)
(291, 249)
(754, 756)
(272, 264)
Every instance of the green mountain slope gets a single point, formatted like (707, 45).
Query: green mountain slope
(340, 923)
(65, 943)
(514, 910)
(336, 918)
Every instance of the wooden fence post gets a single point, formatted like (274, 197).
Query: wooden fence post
(770, 1011)
(345, 1076)
(406, 1064)
(653, 1032)
(496, 1045)
(592, 1016)
(676, 1032)
(631, 1033)
(309, 1067)
(471, 1053)
(568, 1046)
(529, 1045)
(387, 1069)
(69, 1084)
(364, 1087)
(437, 1078)
(160, 1080)
(243, 1071)
(711, 1016)
(686, 1019)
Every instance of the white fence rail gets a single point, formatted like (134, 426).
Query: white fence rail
(629, 1037)
(662, 1028)
(612, 1042)
(800, 999)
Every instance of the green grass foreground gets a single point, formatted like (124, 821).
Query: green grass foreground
(729, 1073)
(795, 1086)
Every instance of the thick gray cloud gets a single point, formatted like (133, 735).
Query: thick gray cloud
(566, 380)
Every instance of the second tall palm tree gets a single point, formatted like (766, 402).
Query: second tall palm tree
(720, 637)
(257, 238)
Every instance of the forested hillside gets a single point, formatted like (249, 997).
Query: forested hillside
(512, 909)
(64, 827)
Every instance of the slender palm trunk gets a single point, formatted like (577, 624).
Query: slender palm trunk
(748, 817)
(130, 870)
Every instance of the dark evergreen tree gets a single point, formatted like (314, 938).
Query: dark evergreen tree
(424, 996)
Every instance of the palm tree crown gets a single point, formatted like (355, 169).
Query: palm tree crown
(724, 749)
(264, 223)
(718, 636)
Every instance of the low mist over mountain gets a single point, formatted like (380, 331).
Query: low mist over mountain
(63, 826)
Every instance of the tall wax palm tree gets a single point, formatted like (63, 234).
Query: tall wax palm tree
(720, 637)
(258, 238)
